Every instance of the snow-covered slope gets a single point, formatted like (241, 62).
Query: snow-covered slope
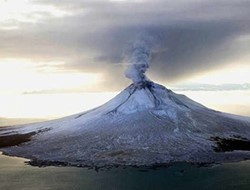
(143, 125)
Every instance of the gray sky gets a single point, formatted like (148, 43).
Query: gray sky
(90, 36)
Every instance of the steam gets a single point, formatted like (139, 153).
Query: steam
(138, 56)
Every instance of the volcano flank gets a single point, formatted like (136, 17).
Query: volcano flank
(146, 124)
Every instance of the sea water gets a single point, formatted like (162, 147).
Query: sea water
(16, 174)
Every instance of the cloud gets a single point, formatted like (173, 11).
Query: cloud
(195, 36)
(211, 87)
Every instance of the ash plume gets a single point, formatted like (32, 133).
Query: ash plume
(138, 56)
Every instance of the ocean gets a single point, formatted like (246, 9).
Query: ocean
(15, 174)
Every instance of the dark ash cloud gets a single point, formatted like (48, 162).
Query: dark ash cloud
(194, 36)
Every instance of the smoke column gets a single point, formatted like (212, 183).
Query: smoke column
(138, 56)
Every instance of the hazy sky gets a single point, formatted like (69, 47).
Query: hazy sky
(62, 45)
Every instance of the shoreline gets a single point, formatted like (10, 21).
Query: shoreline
(226, 146)
(43, 164)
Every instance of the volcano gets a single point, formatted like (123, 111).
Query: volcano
(146, 124)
